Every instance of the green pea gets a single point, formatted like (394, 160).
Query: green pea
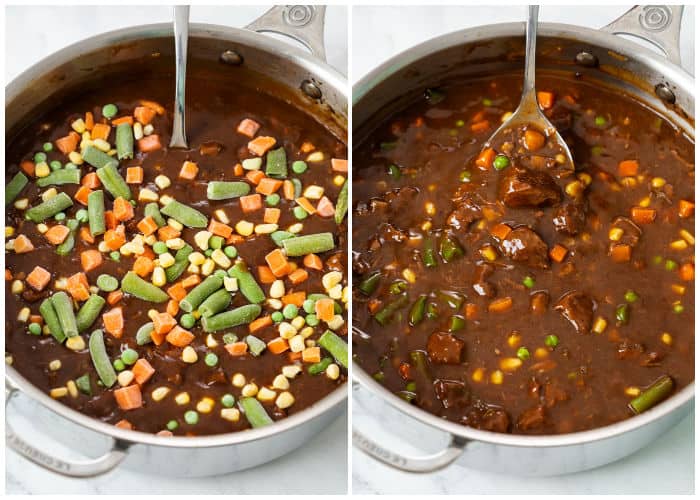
(229, 338)
(55, 165)
(211, 359)
(670, 265)
(227, 400)
(109, 111)
(277, 317)
(657, 260)
(118, 365)
(453, 132)
(60, 216)
(411, 387)
(35, 328)
(631, 296)
(312, 320)
(115, 255)
(71, 166)
(272, 199)
(160, 247)
(394, 171)
(597, 150)
(130, 356)
(191, 417)
(172, 425)
(81, 215)
(465, 176)
(299, 167)
(39, 157)
(459, 123)
(208, 252)
(308, 306)
(290, 311)
(622, 313)
(187, 321)
(501, 162)
(107, 283)
(600, 121)
(487, 102)
(678, 308)
(230, 251)
(47, 147)
(523, 353)
(529, 281)
(300, 213)
(216, 242)
(551, 341)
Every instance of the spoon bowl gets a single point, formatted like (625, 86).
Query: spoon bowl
(181, 19)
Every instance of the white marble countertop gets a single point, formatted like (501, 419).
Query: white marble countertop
(666, 466)
(69, 25)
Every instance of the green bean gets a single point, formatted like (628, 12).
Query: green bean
(297, 188)
(133, 284)
(48, 312)
(68, 244)
(98, 159)
(220, 190)
(370, 283)
(319, 367)
(64, 310)
(60, 177)
(386, 313)
(89, 312)
(96, 212)
(125, 141)
(184, 214)
(113, 182)
(143, 334)
(341, 206)
(100, 360)
(200, 293)
(83, 384)
(419, 360)
(417, 312)
(247, 284)
(279, 236)
(429, 258)
(255, 345)
(276, 163)
(450, 248)
(336, 346)
(216, 302)
(453, 299)
(652, 395)
(152, 210)
(310, 243)
(254, 412)
(15, 187)
(456, 323)
(49, 208)
(181, 263)
(229, 319)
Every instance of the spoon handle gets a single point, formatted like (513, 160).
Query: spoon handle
(530, 50)
(181, 27)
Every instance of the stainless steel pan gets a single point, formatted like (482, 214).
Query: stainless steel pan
(311, 85)
(658, 82)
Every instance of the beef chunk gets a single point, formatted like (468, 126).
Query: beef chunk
(532, 418)
(570, 219)
(487, 418)
(451, 393)
(577, 308)
(445, 348)
(524, 245)
(467, 210)
(521, 187)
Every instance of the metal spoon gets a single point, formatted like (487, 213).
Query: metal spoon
(528, 112)
(181, 17)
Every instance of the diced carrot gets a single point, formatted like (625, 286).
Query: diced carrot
(238, 170)
(306, 205)
(296, 298)
(165, 433)
(558, 252)
(259, 324)
(189, 170)
(294, 356)
(501, 305)
(114, 297)
(129, 398)
(298, 276)
(325, 309)
(235, 239)
(288, 190)
(339, 165)
(114, 321)
(143, 266)
(545, 99)
(89, 120)
(147, 226)
(36, 318)
(311, 355)
(123, 119)
(260, 145)
(179, 337)
(621, 253)
(90, 180)
(687, 271)
(100, 131)
(248, 127)
(279, 265)
(134, 175)
(255, 176)
(642, 215)
(479, 127)
(158, 338)
(686, 209)
(265, 275)
(277, 345)
(123, 209)
(250, 203)
(627, 168)
(163, 323)
(219, 229)
(272, 215)
(8, 275)
(173, 307)
(78, 286)
(38, 278)
(533, 140)
(166, 233)
(190, 281)
(268, 186)
(237, 348)
(471, 310)
(81, 195)
(110, 220)
(500, 231)
(485, 158)
(153, 105)
(177, 291)
(307, 147)
(124, 424)
(90, 259)
(325, 207)
(313, 261)
(149, 143)
(142, 371)
(86, 235)
(28, 167)
(69, 143)
(144, 115)
(23, 244)
(115, 238)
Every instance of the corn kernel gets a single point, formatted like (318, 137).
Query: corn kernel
(497, 377)
(17, 287)
(245, 228)
(163, 181)
(266, 228)
(78, 125)
(514, 340)
(58, 392)
(238, 380)
(230, 414)
(632, 392)
(666, 338)
(23, 203)
(48, 194)
(266, 394)
(296, 343)
(76, 343)
(298, 322)
(10, 231)
(313, 192)
(338, 180)
(585, 178)
(296, 228)
(220, 258)
(125, 377)
(230, 284)
(55, 365)
(306, 332)
(148, 129)
(600, 325)
(628, 182)
(211, 341)
(336, 322)
(249, 390)
(678, 289)
(221, 215)
(645, 202)
(658, 182)
(478, 375)
(189, 355)
(175, 243)
(277, 289)
(488, 253)
(182, 398)
(510, 364)
(284, 400)
(678, 245)
(286, 330)
(426, 226)
(76, 158)
(333, 371)
(102, 145)
(138, 131)
(159, 393)
(252, 163)
(23, 315)
(72, 389)
(197, 258)
(316, 156)
(291, 371)
(42, 169)
(205, 405)
(408, 275)
(280, 382)
(152, 313)
(166, 260)
(175, 224)
(158, 278)
(574, 189)
(687, 236)
(208, 267)
(615, 234)
(541, 353)
(165, 199)
(430, 208)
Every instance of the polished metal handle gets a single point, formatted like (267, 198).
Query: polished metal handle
(70, 468)
(303, 23)
(181, 19)
(659, 25)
